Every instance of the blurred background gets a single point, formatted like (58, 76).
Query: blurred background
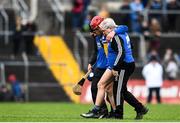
(45, 46)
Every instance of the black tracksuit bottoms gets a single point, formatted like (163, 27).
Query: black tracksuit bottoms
(120, 89)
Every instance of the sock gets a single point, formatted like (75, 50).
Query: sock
(114, 110)
(96, 108)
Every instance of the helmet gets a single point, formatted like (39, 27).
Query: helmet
(95, 22)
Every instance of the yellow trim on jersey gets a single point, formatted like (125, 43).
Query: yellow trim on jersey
(105, 48)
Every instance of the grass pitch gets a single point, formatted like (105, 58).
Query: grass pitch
(70, 112)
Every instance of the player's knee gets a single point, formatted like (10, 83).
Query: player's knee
(101, 86)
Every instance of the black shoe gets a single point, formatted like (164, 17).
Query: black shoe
(114, 115)
(104, 112)
(110, 115)
(93, 114)
(141, 113)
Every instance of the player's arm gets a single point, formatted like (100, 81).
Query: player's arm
(118, 30)
(121, 29)
(120, 49)
(93, 57)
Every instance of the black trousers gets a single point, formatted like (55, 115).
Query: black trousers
(120, 89)
(94, 89)
(157, 91)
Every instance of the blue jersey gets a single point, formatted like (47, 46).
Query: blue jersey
(119, 50)
(121, 29)
(99, 57)
(101, 61)
(128, 57)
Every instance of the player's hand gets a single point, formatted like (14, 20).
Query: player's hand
(115, 73)
(110, 36)
(89, 67)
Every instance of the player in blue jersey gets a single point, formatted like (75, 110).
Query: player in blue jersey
(99, 61)
(120, 64)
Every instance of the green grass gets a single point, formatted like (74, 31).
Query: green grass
(69, 112)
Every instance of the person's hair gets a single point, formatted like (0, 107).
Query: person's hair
(107, 23)
(153, 58)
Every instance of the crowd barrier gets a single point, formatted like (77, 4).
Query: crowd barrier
(170, 91)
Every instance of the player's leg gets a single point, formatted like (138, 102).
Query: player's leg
(118, 96)
(128, 96)
(94, 89)
(96, 111)
(110, 96)
(105, 79)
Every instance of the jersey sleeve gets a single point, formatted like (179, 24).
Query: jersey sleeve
(121, 29)
(120, 50)
(94, 54)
